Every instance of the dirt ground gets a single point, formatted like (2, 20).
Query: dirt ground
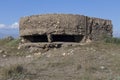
(94, 61)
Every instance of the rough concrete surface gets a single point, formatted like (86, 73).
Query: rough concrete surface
(63, 28)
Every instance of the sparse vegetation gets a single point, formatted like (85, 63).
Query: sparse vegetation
(10, 47)
(13, 43)
(12, 71)
(95, 61)
(9, 41)
(112, 40)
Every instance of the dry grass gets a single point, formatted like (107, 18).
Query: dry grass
(95, 61)
(11, 47)
(12, 72)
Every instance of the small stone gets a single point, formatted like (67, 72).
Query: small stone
(29, 56)
(64, 54)
(102, 67)
(4, 56)
(37, 54)
(22, 40)
(19, 47)
(88, 41)
(1, 51)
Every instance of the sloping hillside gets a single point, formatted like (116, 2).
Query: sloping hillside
(94, 61)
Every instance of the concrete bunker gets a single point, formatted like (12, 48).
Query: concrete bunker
(47, 29)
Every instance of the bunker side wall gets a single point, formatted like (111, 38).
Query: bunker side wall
(98, 28)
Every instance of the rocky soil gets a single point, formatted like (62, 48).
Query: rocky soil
(94, 61)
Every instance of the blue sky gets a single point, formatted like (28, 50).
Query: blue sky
(12, 10)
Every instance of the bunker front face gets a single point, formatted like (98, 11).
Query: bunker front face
(65, 28)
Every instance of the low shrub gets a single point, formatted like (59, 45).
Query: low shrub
(112, 40)
(14, 42)
(14, 71)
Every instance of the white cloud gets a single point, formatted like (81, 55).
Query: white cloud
(12, 26)
(2, 26)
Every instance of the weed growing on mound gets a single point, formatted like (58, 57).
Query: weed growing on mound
(14, 42)
(112, 40)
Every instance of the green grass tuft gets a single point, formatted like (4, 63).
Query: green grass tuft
(14, 42)
(112, 40)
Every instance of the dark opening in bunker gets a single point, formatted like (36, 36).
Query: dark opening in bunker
(67, 38)
(54, 38)
(36, 38)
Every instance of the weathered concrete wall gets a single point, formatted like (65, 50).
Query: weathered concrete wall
(98, 28)
(65, 24)
(52, 24)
